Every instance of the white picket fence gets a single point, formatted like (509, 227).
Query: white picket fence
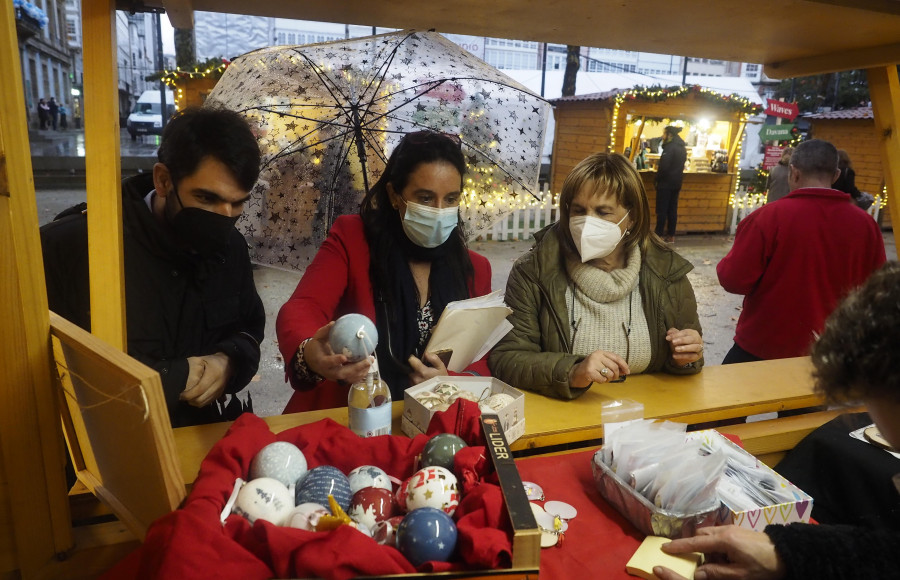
(521, 224)
(746, 203)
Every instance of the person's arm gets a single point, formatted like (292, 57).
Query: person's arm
(684, 335)
(242, 347)
(519, 359)
(741, 269)
(732, 552)
(830, 552)
(313, 304)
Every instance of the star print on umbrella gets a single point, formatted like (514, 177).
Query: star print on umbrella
(328, 115)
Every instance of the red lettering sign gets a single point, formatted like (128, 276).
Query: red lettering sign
(773, 156)
(781, 109)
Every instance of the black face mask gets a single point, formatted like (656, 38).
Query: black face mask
(203, 231)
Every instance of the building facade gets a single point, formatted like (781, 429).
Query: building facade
(46, 58)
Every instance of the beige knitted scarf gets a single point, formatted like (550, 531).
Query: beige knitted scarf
(603, 306)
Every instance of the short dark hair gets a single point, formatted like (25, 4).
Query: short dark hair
(197, 133)
(856, 356)
(816, 157)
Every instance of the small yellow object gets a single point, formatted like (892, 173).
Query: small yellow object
(338, 518)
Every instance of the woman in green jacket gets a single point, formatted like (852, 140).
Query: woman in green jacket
(599, 296)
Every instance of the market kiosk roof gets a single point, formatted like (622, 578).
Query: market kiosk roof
(790, 37)
(597, 85)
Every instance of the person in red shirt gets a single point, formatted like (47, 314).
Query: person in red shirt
(399, 262)
(796, 259)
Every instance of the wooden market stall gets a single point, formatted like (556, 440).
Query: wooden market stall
(37, 536)
(625, 121)
(853, 130)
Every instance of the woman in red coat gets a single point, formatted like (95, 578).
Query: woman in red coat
(399, 262)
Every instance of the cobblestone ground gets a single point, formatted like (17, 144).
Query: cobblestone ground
(718, 310)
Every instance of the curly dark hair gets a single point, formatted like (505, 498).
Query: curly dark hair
(856, 356)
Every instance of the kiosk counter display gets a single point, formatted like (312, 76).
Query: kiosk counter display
(631, 122)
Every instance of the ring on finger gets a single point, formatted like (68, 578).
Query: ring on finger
(604, 371)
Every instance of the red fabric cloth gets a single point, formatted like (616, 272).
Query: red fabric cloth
(337, 283)
(599, 541)
(794, 260)
(192, 543)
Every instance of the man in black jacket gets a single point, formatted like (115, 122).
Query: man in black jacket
(668, 181)
(192, 309)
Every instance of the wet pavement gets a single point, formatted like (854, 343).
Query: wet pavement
(70, 143)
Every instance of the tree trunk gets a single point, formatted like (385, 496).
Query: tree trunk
(573, 62)
(185, 48)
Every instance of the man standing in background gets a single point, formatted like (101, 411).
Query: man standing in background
(668, 181)
(796, 259)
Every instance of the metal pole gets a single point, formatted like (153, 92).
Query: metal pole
(160, 65)
(543, 68)
(684, 72)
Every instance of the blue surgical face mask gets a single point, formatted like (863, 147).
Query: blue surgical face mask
(429, 227)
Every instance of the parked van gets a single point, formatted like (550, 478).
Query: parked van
(145, 118)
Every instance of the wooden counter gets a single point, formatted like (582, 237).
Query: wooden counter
(718, 392)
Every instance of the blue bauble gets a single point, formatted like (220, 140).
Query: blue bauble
(354, 336)
(322, 481)
(440, 450)
(426, 535)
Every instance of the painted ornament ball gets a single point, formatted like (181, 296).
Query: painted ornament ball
(440, 450)
(426, 535)
(371, 505)
(368, 476)
(264, 499)
(433, 487)
(321, 482)
(280, 460)
(354, 336)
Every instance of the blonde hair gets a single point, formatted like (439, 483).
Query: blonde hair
(610, 173)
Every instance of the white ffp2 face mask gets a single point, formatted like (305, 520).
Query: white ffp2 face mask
(595, 237)
(429, 227)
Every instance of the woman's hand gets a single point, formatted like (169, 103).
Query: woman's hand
(422, 372)
(599, 367)
(733, 553)
(324, 362)
(686, 345)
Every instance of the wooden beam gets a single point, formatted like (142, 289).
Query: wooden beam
(33, 458)
(102, 172)
(180, 13)
(869, 57)
(884, 90)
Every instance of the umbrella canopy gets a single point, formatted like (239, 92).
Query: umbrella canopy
(328, 115)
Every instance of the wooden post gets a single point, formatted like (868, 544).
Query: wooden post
(31, 444)
(884, 89)
(102, 172)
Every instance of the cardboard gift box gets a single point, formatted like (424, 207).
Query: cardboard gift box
(652, 520)
(417, 416)
(496, 533)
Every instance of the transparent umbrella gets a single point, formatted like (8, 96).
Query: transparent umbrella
(328, 115)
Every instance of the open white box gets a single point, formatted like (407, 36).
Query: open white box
(512, 417)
